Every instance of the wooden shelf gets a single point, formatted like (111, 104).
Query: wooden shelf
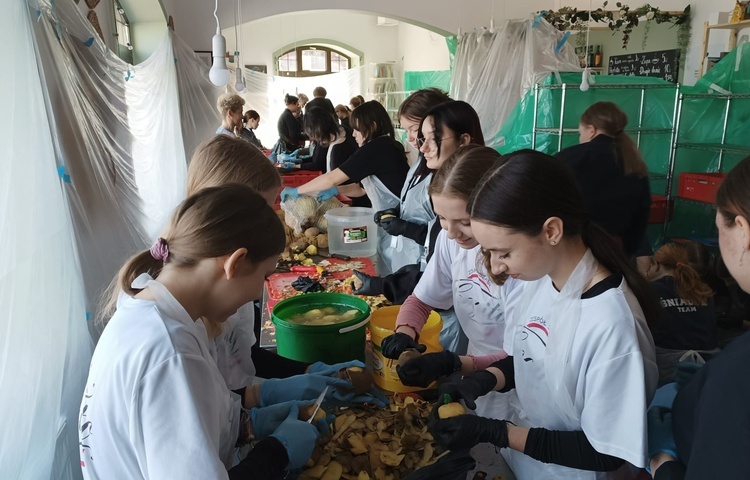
(730, 26)
(733, 29)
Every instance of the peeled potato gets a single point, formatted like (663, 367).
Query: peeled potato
(452, 409)
(306, 412)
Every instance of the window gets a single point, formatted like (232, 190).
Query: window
(122, 26)
(311, 60)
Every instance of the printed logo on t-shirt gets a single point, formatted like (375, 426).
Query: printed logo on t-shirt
(85, 427)
(474, 290)
(533, 338)
(682, 306)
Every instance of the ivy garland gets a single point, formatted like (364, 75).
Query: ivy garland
(622, 20)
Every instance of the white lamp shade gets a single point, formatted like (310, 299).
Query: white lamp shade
(240, 83)
(219, 74)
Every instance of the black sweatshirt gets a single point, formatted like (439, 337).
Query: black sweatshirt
(619, 203)
(711, 419)
(290, 132)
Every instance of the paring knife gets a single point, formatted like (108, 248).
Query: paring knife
(318, 401)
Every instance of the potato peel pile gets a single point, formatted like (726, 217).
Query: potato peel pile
(373, 444)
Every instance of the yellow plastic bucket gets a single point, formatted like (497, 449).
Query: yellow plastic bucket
(381, 325)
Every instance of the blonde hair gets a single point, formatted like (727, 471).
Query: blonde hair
(687, 281)
(211, 223)
(229, 101)
(302, 98)
(610, 119)
(223, 159)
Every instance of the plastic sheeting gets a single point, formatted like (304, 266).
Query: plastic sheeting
(434, 78)
(94, 162)
(658, 112)
(700, 132)
(519, 54)
(44, 340)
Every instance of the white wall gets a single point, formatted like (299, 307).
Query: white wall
(194, 22)
(422, 50)
(146, 37)
(261, 38)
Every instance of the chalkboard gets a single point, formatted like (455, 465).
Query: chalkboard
(663, 64)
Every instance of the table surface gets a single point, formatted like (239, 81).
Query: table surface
(276, 283)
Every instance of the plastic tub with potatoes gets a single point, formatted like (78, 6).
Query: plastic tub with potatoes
(321, 327)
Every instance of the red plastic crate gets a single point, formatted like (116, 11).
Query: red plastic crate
(294, 179)
(700, 186)
(659, 209)
(298, 178)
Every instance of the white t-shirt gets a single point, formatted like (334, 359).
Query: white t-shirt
(233, 348)
(456, 277)
(612, 375)
(155, 404)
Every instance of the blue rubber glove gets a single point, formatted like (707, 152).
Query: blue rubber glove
(372, 397)
(660, 437)
(298, 438)
(326, 194)
(289, 192)
(288, 165)
(299, 387)
(320, 368)
(267, 419)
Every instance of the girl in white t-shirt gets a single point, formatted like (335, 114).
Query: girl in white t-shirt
(581, 357)
(155, 404)
(455, 277)
(219, 161)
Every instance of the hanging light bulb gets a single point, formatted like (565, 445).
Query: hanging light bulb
(239, 80)
(219, 73)
(585, 80)
(586, 72)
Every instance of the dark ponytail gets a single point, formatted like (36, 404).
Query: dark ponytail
(525, 188)
(610, 254)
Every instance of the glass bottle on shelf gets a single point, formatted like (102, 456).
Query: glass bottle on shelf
(598, 57)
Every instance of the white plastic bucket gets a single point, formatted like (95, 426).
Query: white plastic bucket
(352, 231)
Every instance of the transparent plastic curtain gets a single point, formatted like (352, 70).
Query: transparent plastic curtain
(492, 71)
(118, 135)
(45, 346)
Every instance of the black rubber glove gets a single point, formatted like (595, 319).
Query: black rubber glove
(425, 369)
(370, 285)
(394, 345)
(394, 226)
(307, 285)
(469, 388)
(387, 213)
(465, 431)
(450, 466)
